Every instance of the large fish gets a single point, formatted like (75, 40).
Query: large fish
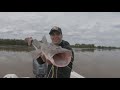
(57, 55)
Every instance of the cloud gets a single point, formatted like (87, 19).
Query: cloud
(101, 28)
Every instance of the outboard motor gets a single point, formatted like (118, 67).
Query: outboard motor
(39, 68)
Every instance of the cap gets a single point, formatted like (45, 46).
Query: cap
(55, 28)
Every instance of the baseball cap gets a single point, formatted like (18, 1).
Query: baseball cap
(55, 28)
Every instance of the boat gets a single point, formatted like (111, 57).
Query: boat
(73, 75)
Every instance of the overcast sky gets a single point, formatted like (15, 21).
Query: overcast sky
(99, 28)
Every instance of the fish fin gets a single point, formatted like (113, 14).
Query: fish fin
(44, 40)
(36, 43)
(35, 53)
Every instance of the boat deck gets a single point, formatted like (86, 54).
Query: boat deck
(73, 75)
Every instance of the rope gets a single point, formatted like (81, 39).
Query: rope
(56, 71)
(49, 71)
(52, 71)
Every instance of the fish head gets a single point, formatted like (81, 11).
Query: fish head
(57, 55)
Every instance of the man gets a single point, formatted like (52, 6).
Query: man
(53, 71)
(56, 37)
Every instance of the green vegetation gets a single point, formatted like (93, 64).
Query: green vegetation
(21, 42)
(92, 46)
(14, 45)
(83, 46)
(12, 42)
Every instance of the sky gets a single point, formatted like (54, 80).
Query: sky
(99, 28)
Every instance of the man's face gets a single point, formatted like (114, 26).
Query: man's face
(56, 37)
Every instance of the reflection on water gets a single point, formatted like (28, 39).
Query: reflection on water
(91, 49)
(15, 48)
(98, 64)
(91, 63)
(83, 50)
(15, 61)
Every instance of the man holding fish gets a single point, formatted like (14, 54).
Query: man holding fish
(59, 64)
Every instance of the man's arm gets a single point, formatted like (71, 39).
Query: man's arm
(40, 60)
(29, 41)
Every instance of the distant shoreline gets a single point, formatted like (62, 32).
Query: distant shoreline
(25, 46)
(16, 48)
(95, 48)
(20, 42)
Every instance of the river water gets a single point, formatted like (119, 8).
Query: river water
(89, 63)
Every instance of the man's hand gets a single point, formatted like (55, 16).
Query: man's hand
(29, 40)
(44, 59)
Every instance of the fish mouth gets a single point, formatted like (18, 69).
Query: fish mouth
(62, 59)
